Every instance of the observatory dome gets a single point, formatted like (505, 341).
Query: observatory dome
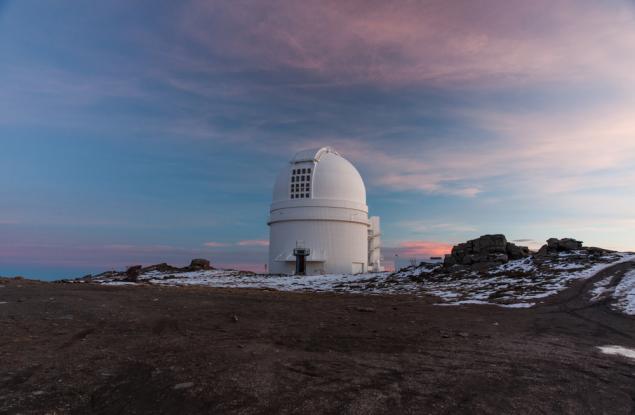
(332, 177)
(318, 221)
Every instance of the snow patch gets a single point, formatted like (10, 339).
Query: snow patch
(118, 283)
(622, 295)
(515, 284)
(618, 351)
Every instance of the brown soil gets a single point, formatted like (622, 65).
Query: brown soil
(84, 348)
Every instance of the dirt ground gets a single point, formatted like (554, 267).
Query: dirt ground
(84, 348)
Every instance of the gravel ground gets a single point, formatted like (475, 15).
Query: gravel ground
(88, 348)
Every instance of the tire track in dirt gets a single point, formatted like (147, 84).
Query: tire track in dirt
(576, 301)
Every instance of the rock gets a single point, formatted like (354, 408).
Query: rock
(569, 244)
(132, 273)
(488, 249)
(162, 267)
(544, 250)
(516, 252)
(200, 263)
(184, 385)
(555, 245)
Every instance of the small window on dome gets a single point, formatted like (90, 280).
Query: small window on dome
(308, 171)
(303, 171)
(307, 195)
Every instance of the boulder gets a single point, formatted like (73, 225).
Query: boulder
(449, 260)
(132, 273)
(200, 263)
(162, 267)
(555, 245)
(516, 252)
(488, 249)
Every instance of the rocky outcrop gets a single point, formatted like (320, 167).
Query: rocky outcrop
(200, 263)
(132, 273)
(486, 250)
(162, 267)
(555, 245)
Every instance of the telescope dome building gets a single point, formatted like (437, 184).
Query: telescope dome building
(318, 221)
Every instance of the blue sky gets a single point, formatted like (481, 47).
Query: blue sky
(144, 132)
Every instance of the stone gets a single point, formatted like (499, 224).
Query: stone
(449, 260)
(569, 244)
(485, 251)
(555, 245)
(200, 263)
(162, 267)
(184, 385)
(516, 252)
(132, 273)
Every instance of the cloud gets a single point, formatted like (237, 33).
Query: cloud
(535, 153)
(215, 244)
(432, 226)
(423, 248)
(434, 42)
(244, 243)
(254, 242)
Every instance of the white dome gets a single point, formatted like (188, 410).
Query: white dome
(326, 175)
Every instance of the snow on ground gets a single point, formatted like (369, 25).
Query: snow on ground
(237, 279)
(618, 351)
(622, 295)
(516, 284)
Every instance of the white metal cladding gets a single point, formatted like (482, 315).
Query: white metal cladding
(335, 246)
(319, 200)
(374, 245)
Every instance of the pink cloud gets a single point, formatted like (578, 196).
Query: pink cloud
(424, 248)
(213, 244)
(254, 242)
(449, 43)
(8, 222)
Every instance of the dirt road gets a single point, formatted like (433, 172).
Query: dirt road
(83, 348)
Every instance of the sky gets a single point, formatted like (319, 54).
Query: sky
(152, 131)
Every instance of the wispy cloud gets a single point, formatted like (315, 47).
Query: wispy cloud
(212, 244)
(443, 43)
(430, 225)
(254, 242)
(243, 243)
